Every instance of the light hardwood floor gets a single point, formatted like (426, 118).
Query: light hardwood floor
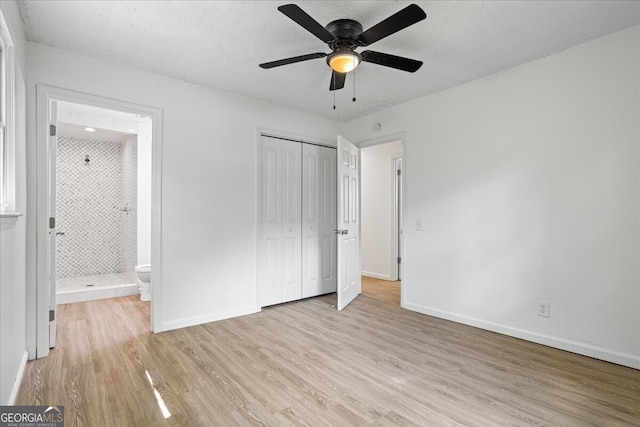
(306, 364)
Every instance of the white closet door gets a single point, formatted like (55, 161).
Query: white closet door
(319, 260)
(292, 220)
(271, 219)
(328, 220)
(280, 268)
(310, 221)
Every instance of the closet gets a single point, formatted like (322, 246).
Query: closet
(297, 218)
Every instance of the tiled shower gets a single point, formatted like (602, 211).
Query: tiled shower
(95, 218)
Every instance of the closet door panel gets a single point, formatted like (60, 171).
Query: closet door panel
(310, 220)
(271, 219)
(328, 220)
(319, 220)
(310, 224)
(328, 272)
(273, 270)
(310, 184)
(292, 220)
(310, 265)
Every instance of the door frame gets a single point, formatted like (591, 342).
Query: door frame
(44, 95)
(399, 243)
(52, 235)
(397, 215)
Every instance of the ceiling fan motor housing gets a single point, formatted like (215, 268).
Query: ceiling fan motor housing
(345, 31)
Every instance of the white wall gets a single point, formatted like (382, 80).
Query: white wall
(208, 177)
(527, 183)
(378, 172)
(97, 117)
(13, 321)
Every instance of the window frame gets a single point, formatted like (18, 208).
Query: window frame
(7, 119)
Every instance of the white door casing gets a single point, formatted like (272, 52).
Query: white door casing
(319, 260)
(397, 223)
(348, 231)
(53, 150)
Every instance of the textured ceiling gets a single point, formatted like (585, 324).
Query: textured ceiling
(219, 44)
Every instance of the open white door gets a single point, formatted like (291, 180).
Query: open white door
(53, 146)
(348, 232)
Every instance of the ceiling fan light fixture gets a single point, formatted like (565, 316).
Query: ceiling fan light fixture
(343, 61)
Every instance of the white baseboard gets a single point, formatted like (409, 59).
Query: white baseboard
(16, 384)
(213, 317)
(584, 349)
(377, 275)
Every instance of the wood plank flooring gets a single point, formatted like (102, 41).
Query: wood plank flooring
(305, 364)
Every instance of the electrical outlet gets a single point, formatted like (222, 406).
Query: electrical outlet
(418, 224)
(544, 309)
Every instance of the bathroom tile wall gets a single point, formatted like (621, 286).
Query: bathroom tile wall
(128, 223)
(95, 204)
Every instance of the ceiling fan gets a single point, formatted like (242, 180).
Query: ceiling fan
(344, 36)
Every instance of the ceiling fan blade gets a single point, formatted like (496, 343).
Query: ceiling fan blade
(337, 80)
(307, 22)
(396, 22)
(397, 62)
(293, 60)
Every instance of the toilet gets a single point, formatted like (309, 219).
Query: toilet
(144, 281)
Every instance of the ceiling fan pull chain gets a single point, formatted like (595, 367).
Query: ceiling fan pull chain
(354, 86)
(334, 92)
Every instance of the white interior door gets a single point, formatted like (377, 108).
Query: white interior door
(348, 231)
(53, 146)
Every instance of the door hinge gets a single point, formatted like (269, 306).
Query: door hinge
(52, 222)
(52, 315)
(52, 130)
(399, 172)
(399, 260)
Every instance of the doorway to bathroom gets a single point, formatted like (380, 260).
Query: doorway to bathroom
(102, 202)
(98, 169)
